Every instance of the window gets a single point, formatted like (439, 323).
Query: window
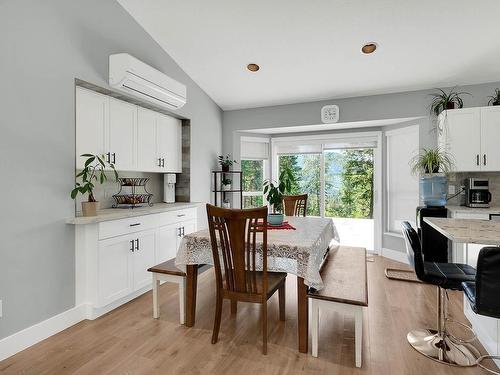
(253, 178)
(402, 186)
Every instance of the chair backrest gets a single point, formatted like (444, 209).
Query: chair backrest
(413, 249)
(488, 282)
(239, 240)
(295, 205)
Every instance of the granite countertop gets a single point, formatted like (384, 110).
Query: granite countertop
(474, 210)
(108, 214)
(467, 230)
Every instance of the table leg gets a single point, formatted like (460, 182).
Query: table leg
(302, 315)
(191, 287)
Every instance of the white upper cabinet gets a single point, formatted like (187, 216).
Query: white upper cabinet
(122, 135)
(147, 153)
(471, 136)
(490, 138)
(92, 116)
(169, 136)
(131, 137)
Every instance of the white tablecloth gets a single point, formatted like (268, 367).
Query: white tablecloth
(299, 252)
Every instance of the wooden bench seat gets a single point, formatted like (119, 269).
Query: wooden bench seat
(345, 290)
(167, 268)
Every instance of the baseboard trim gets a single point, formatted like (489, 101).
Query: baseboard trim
(21, 340)
(398, 256)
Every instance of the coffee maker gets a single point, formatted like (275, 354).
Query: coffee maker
(477, 192)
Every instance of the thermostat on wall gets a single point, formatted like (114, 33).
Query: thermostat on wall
(330, 114)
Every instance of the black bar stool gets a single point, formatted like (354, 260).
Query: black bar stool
(438, 344)
(483, 294)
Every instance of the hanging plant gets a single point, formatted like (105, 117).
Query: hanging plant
(446, 100)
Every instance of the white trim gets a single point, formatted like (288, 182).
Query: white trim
(255, 139)
(394, 234)
(405, 130)
(324, 138)
(21, 340)
(396, 255)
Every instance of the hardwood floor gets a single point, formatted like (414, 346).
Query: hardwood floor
(129, 341)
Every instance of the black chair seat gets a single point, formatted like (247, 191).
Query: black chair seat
(448, 275)
(469, 288)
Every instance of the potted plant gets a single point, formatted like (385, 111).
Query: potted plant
(432, 165)
(495, 99)
(443, 101)
(226, 183)
(274, 192)
(92, 172)
(226, 162)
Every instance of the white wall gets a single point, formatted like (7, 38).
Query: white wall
(44, 46)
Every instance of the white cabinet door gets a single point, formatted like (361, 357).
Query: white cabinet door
(144, 258)
(462, 136)
(147, 152)
(185, 227)
(169, 137)
(114, 269)
(167, 242)
(92, 111)
(490, 139)
(122, 134)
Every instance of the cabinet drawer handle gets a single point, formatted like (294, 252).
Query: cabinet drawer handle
(181, 215)
(114, 158)
(108, 157)
(137, 244)
(132, 246)
(162, 162)
(183, 233)
(477, 159)
(159, 162)
(484, 159)
(135, 224)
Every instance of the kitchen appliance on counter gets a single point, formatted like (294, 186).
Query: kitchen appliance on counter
(169, 180)
(477, 193)
(434, 244)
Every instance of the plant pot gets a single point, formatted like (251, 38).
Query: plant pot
(90, 208)
(450, 105)
(225, 168)
(226, 187)
(275, 219)
(433, 189)
(496, 102)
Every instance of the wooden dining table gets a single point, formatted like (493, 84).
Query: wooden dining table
(300, 251)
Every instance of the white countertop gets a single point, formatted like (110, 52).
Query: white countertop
(474, 210)
(122, 213)
(467, 230)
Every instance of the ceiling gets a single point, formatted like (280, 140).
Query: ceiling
(310, 50)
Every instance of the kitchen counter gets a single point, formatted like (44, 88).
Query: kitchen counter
(472, 210)
(467, 230)
(108, 214)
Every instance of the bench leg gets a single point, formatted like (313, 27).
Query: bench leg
(358, 334)
(314, 326)
(182, 299)
(156, 306)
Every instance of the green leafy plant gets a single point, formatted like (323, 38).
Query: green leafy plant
(92, 172)
(495, 99)
(226, 161)
(274, 191)
(226, 181)
(432, 160)
(446, 100)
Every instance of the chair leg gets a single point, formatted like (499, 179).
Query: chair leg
(156, 305)
(234, 307)
(314, 326)
(218, 316)
(264, 327)
(281, 298)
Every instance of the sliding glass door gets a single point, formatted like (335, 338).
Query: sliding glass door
(340, 178)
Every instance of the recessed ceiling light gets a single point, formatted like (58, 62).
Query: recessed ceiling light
(253, 67)
(369, 48)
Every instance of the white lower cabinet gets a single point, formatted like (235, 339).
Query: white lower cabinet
(112, 257)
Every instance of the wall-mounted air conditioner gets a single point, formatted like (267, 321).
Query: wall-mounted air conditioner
(130, 75)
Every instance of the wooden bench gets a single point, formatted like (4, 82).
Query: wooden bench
(167, 271)
(345, 290)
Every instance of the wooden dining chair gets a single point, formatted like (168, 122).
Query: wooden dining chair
(239, 241)
(295, 205)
